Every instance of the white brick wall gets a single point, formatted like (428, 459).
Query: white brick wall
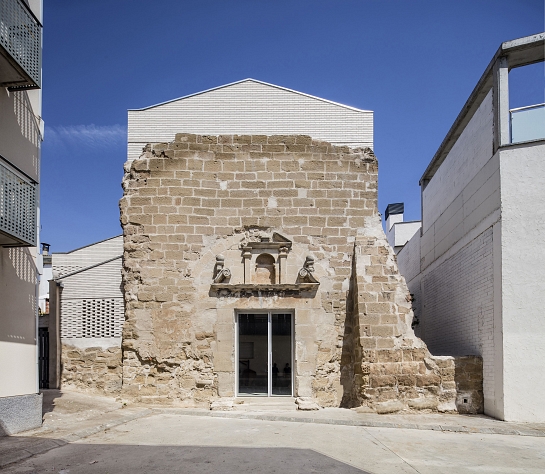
(250, 107)
(92, 311)
(469, 154)
(68, 262)
(457, 313)
(477, 200)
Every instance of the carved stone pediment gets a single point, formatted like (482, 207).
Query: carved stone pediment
(265, 261)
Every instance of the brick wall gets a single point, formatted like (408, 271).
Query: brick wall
(458, 312)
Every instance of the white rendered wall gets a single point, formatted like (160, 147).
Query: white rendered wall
(408, 258)
(20, 132)
(523, 281)
(47, 274)
(247, 108)
(18, 280)
(390, 235)
(402, 232)
(408, 262)
(20, 141)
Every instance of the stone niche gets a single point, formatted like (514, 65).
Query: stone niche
(213, 225)
(263, 266)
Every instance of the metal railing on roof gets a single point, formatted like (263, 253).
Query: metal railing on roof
(21, 45)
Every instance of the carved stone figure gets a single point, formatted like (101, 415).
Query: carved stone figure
(305, 274)
(221, 273)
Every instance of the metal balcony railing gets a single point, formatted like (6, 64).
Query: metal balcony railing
(20, 46)
(18, 203)
(527, 123)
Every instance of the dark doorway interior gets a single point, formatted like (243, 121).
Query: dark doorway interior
(43, 357)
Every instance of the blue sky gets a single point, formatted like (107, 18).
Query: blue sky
(413, 62)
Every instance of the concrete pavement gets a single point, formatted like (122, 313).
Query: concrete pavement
(83, 433)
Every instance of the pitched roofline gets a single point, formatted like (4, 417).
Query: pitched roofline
(259, 82)
(75, 272)
(520, 52)
(88, 245)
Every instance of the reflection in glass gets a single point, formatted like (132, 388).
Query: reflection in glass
(253, 354)
(281, 354)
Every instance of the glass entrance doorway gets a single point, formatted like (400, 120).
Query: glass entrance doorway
(265, 354)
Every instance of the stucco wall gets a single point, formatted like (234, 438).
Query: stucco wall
(18, 306)
(20, 137)
(408, 261)
(523, 280)
(408, 258)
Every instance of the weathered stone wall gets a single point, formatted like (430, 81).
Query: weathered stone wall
(188, 201)
(392, 369)
(92, 369)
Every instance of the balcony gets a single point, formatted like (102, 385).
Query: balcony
(18, 202)
(527, 123)
(20, 46)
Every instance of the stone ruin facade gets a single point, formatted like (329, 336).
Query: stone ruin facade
(218, 225)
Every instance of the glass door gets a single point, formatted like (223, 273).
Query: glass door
(265, 354)
(281, 354)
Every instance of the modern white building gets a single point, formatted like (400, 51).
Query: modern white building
(86, 306)
(398, 231)
(21, 131)
(250, 107)
(477, 268)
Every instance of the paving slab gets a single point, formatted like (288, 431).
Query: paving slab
(73, 418)
(163, 442)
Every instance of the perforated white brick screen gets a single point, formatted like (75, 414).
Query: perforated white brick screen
(88, 318)
(66, 269)
(17, 206)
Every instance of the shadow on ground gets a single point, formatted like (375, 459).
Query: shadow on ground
(49, 398)
(106, 458)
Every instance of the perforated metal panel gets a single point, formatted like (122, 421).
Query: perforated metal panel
(17, 207)
(88, 318)
(20, 35)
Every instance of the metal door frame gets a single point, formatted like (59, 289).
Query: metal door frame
(269, 314)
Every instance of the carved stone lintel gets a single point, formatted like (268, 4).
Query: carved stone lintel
(272, 290)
